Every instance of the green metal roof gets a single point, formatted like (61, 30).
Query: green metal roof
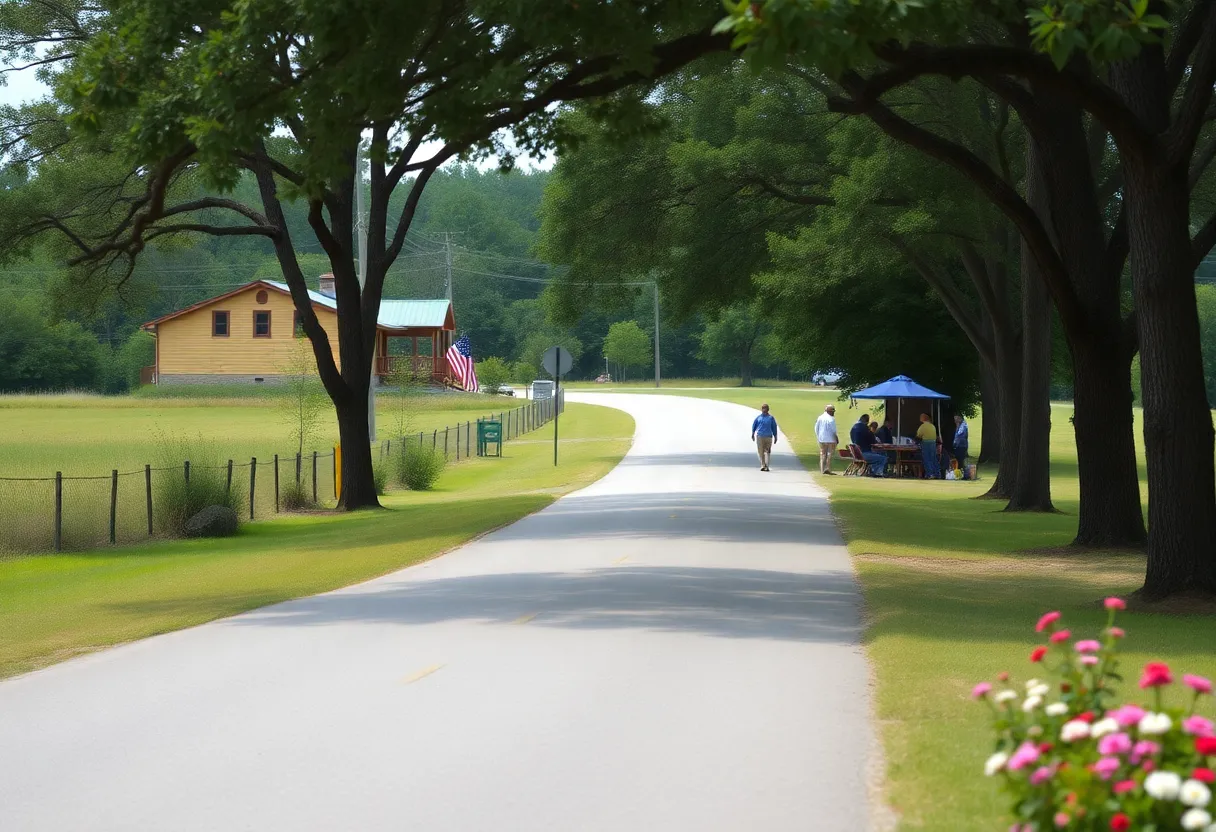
(394, 314)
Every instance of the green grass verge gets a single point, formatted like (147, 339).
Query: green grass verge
(84, 435)
(57, 606)
(952, 587)
(647, 384)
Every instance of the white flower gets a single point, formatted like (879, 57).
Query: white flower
(1031, 684)
(1056, 709)
(1005, 696)
(1031, 703)
(1039, 690)
(1074, 730)
(995, 763)
(1035, 731)
(1103, 727)
(1163, 785)
(1196, 819)
(1151, 724)
(1195, 793)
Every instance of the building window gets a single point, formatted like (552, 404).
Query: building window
(297, 324)
(219, 324)
(262, 297)
(261, 324)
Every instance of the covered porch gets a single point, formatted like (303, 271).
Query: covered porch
(423, 350)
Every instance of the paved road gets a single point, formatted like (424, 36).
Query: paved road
(673, 648)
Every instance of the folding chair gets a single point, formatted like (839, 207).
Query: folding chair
(857, 463)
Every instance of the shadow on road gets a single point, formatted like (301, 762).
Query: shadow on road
(733, 517)
(729, 603)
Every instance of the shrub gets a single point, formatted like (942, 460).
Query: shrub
(419, 466)
(380, 476)
(296, 496)
(175, 501)
(492, 374)
(1072, 757)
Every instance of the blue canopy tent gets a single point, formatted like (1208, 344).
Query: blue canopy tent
(900, 388)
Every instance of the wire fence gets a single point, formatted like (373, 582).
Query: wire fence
(72, 514)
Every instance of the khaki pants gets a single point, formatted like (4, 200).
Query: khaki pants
(764, 449)
(827, 450)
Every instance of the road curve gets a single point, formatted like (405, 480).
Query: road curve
(675, 647)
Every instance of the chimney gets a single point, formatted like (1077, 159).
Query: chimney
(327, 285)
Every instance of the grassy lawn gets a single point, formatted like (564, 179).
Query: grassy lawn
(952, 588)
(57, 606)
(83, 435)
(640, 385)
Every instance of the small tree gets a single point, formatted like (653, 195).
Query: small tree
(738, 336)
(406, 381)
(305, 402)
(627, 345)
(492, 374)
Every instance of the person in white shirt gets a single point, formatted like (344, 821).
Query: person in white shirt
(825, 432)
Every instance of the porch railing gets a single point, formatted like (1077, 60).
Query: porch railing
(434, 366)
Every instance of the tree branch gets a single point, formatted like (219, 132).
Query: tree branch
(1203, 242)
(1198, 95)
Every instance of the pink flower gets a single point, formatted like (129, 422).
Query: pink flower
(1037, 654)
(1115, 744)
(1088, 646)
(1199, 726)
(1115, 604)
(1127, 715)
(1041, 775)
(1115, 632)
(1089, 661)
(1061, 820)
(1026, 754)
(981, 690)
(1142, 749)
(1155, 675)
(1106, 766)
(1199, 684)
(1059, 636)
(1046, 621)
(1124, 786)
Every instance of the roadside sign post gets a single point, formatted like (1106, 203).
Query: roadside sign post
(557, 363)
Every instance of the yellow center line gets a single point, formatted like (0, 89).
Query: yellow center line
(524, 619)
(422, 674)
(620, 560)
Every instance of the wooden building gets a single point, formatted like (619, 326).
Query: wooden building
(248, 335)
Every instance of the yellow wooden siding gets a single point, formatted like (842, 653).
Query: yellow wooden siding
(186, 345)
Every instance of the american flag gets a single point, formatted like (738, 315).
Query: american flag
(460, 359)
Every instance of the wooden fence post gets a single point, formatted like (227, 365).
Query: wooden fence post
(314, 476)
(468, 439)
(445, 441)
(148, 484)
(187, 472)
(276, 483)
(435, 439)
(458, 442)
(253, 483)
(113, 506)
(58, 511)
(229, 486)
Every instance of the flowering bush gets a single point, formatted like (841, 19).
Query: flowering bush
(1074, 758)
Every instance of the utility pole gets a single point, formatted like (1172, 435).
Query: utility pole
(657, 374)
(447, 254)
(361, 226)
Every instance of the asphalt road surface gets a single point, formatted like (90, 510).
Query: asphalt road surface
(674, 648)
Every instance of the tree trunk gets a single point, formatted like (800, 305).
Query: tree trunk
(358, 478)
(1177, 445)
(745, 371)
(990, 404)
(1009, 416)
(1178, 435)
(1106, 455)
(1032, 482)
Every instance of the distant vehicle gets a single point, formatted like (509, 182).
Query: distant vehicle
(542, 389)
(824, 379)
(603, 378)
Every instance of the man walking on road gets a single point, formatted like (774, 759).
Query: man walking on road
(764, 434)
(825, 432)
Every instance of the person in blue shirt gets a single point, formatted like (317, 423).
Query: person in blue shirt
(764, 434)
(861, 436)
(960, 443)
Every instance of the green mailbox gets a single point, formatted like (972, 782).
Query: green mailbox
(489, 432)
